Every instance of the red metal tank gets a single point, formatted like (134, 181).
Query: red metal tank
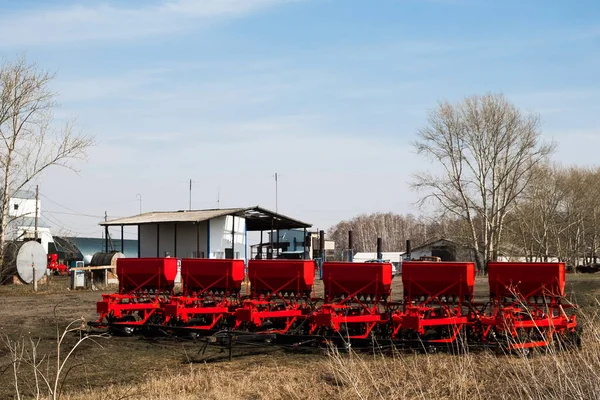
(529, 279)
(203, 274)
(281, 275)
(146, 274)
(424, 278)
(347, 278)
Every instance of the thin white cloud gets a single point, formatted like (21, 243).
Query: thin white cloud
(102, 87)
(82, 23)
(557, 101)
(157, 87)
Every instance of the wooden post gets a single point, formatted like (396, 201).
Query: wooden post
(34, 280)
(37, 194)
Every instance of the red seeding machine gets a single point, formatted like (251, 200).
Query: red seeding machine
(145, 287)
(280, 295)
(210, 294)
(438, 302)
(276, 300)
(527, 307)
(355, 301)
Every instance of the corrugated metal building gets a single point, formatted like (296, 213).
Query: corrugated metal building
(213, 233)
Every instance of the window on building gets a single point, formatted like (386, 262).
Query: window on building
(16, 206)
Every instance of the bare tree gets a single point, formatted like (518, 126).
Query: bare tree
(487, 150)
(30, 141)
(534, 222)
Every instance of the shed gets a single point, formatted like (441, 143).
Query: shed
(446, 249)
(211, 233)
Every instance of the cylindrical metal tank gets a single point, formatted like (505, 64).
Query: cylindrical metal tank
(23, 258)
(102, 259)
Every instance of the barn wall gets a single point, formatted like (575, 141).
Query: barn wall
(220, 236)
(187, 238)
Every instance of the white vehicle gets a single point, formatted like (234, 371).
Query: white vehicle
(394, 266)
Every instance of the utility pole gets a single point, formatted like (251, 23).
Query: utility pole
(37, 200)
(219, 197)
(106, 232)
(190, 195)
(35, 286)
(276, 193)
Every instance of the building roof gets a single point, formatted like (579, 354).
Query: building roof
(87, 246)
(257, 218)
(68, 248)
(30, 222)
(23, 194)
(437, 242)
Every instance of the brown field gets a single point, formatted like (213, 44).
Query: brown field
(156, 368)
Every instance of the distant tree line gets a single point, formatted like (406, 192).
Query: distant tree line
(557, 215)
(394, 229)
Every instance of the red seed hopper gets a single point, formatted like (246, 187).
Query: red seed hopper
(437, 301)
(280, 295)
(355, 297)
(146, 274)
(357, 279)
(201, 275)
(281, 276)
(527, 305)
(144, 285)
(210, 291)
(526, 279)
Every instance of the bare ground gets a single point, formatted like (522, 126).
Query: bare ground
(114, 367)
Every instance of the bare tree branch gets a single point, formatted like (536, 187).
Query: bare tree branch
(487, 150)
(30, 141)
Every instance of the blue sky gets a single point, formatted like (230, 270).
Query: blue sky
(327, 93)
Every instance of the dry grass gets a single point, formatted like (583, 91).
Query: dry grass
(481, 375)
(141, 371)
